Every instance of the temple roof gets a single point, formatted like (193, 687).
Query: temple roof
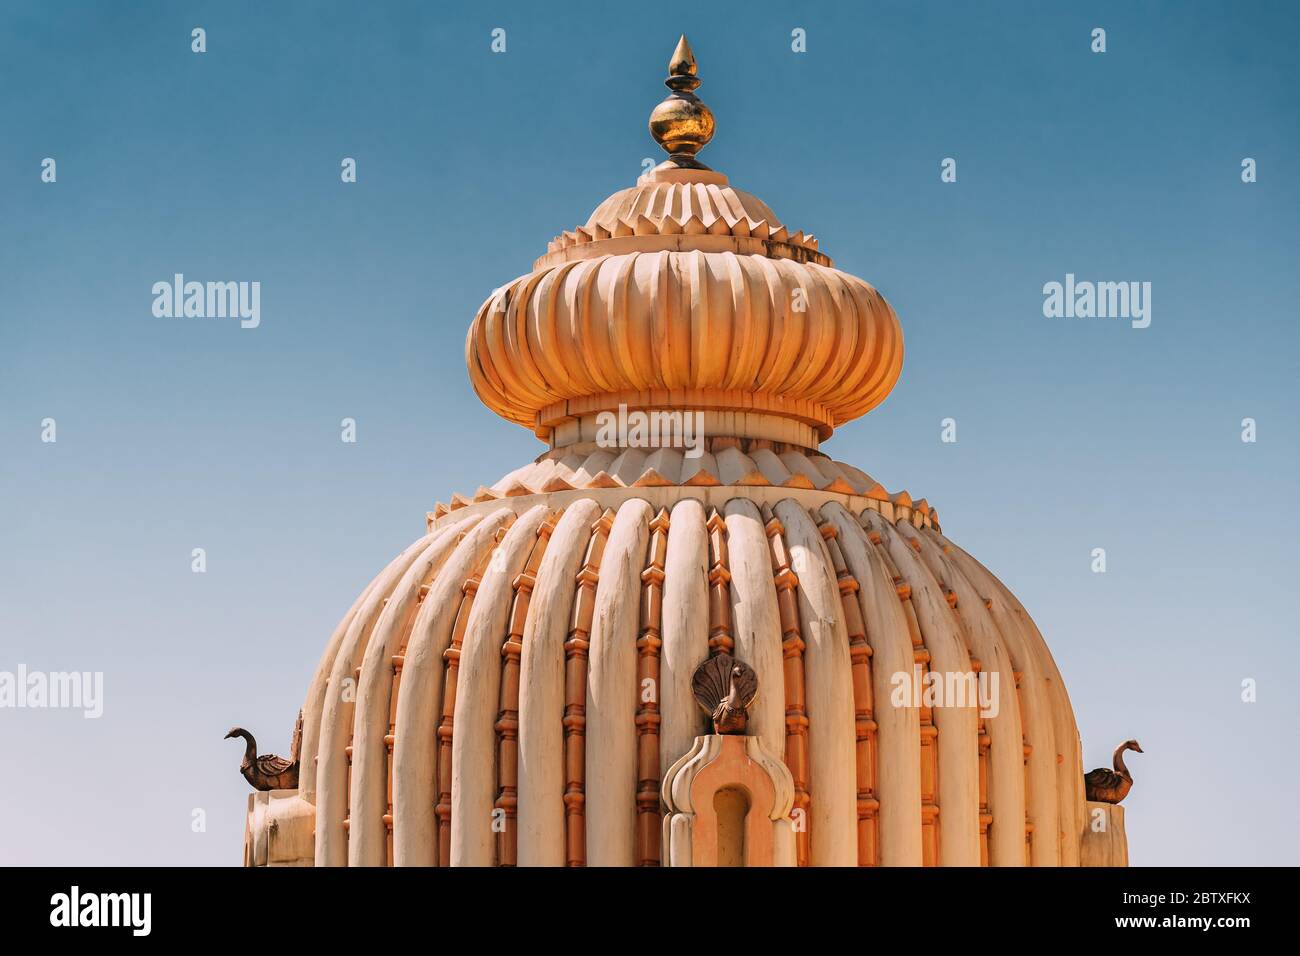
(496, 669)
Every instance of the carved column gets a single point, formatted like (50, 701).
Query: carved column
(720, 634)
(575, 692)
(647, 716)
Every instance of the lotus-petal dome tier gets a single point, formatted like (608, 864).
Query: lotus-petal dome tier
(628, 655)
(685, 327)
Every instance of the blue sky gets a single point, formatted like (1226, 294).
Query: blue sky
(1072, 434)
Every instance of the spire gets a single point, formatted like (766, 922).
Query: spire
(681, 124)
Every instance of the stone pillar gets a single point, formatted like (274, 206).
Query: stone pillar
(1104, 840)
(279, 829)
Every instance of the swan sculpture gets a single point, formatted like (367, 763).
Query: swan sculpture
(1111, 786)
(268, 771)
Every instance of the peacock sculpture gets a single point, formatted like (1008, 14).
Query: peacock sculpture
(1111, 786)
(724, 688)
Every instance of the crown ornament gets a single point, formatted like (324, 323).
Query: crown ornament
(682, 124)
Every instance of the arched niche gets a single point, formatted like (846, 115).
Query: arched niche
(729, 804)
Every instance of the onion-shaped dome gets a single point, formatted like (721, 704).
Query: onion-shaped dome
(516, 686)
(684, 292)
(724, 331)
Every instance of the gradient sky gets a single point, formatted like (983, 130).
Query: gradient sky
(1072, 434)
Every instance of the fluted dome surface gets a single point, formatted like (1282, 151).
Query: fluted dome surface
(499, 661)
(799, 340)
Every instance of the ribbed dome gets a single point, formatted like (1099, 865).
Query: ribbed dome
(521, 632)
(703, 330)
(519, 686)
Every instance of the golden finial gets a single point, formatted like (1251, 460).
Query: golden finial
(681, 124)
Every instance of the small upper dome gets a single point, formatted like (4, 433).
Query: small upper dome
(683, 292)
(668, 202)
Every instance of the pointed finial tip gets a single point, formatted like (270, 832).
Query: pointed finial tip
(683, 59)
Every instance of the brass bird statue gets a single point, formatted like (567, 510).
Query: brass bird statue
(725, 688)
(1111, 786)
(268, 771)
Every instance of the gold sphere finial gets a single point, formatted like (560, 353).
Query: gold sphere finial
(681, 124)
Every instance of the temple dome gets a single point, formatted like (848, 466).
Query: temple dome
(521, 684)
(467, 657)
(694, 320)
